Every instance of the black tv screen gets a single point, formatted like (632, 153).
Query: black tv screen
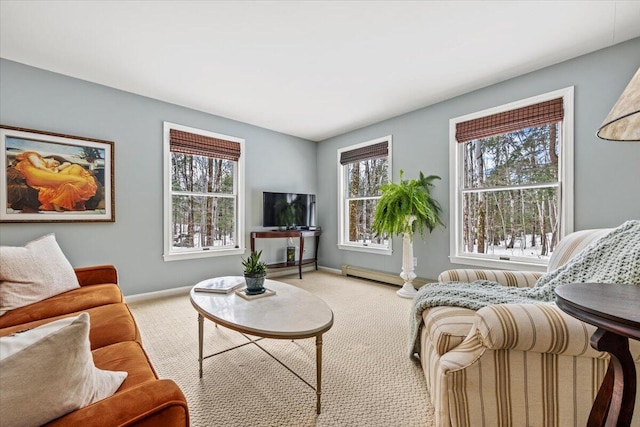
(288, 210)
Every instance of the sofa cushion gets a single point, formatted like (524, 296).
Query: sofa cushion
(157, 403)
(32, 273)
(447, 327)
(76, 300)
(125, 356)
(49, 371)
(110, 324)
(519, 279)
(96, 274)
(573, 244)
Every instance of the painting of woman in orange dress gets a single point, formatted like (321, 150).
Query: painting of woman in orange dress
(62, 186)
(54, 177)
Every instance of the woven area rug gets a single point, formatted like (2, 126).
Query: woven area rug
(367, 378)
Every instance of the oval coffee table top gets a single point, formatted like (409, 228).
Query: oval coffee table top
(290, 313)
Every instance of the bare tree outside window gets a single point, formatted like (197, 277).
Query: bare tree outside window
(363, 182)
(510, 193)
(362, 169)
(204, 202)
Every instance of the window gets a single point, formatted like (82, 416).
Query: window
(362, 169)
(204, 193)
(512, 182)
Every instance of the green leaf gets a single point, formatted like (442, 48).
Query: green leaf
(407, 207)
(253, 265)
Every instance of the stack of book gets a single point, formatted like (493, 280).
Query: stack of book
(220, 285)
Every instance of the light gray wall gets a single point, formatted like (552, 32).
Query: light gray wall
(38, 99)
(607, 174)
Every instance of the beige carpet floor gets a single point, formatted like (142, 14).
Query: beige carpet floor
(368, 378)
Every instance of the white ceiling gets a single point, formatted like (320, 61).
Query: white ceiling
(312, 69)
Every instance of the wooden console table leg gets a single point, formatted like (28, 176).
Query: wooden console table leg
(301, 252)
(616, 397)
(315, 254)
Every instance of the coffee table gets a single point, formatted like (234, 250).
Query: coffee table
(292, 313)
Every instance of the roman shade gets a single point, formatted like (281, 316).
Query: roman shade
(200, 145)
(543, 113)
(374, 151)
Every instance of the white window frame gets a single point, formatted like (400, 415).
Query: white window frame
(343, 213)
(565, 184)
(170, 254)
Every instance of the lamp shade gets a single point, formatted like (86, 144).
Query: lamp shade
(623, 122)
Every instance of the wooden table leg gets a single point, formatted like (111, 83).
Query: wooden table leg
(318, 371)
(615, 400)
(200, 337)
(300, 255)
(315, 254)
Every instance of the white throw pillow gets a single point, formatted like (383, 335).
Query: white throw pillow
(48, 371)
(32, 273)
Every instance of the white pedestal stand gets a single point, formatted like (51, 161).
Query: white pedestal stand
(407, 290)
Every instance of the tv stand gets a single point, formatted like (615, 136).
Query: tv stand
(300, 234)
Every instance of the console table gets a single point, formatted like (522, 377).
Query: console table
(614, 310)
(299, 234)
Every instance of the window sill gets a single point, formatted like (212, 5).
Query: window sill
(517, 265)
(368, 249)
(202, 254)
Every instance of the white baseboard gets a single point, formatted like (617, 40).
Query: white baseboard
(158, 294)
(185, 289)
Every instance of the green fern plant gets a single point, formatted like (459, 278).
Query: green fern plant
(407, 207)
(252, 265)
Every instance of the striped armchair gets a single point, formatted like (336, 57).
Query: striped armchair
(513, 364)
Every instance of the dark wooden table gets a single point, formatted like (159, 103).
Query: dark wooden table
(615, 311)
(299, 234)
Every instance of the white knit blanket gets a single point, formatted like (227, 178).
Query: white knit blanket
(615, 258)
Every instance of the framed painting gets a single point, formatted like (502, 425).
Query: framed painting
(51, 177)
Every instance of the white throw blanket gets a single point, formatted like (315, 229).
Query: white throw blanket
(615, 258)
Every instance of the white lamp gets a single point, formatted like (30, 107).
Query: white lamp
(623, 121)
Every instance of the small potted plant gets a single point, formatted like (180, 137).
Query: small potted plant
(254, 273)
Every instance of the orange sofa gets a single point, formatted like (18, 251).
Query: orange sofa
(143, 399)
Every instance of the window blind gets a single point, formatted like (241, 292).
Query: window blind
(200, 145)
(374, 151)
(551, 111)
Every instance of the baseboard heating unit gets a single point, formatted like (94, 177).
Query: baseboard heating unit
(379, 276)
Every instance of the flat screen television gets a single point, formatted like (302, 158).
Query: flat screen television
(288, 210)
